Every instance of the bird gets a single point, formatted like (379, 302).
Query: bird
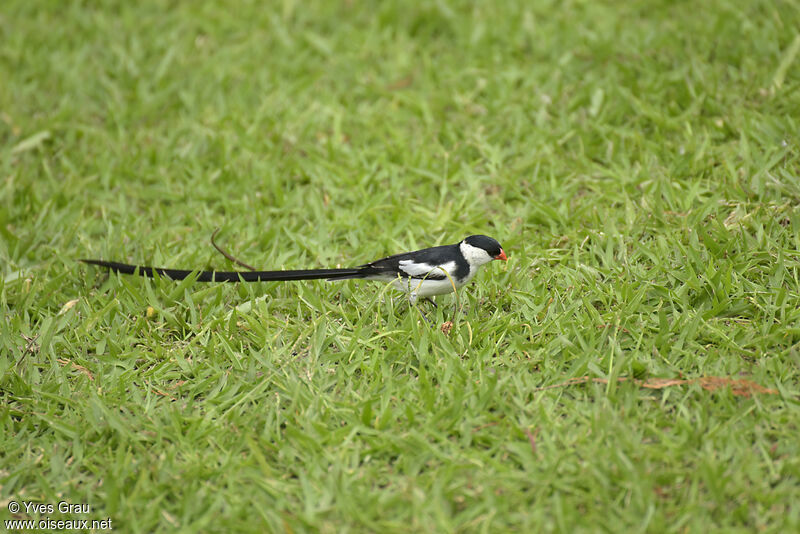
(420, 274)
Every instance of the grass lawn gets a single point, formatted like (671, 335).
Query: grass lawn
(638, 161)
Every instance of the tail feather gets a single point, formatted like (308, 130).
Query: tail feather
(231, 276)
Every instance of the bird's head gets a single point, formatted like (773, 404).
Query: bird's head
(480, 249)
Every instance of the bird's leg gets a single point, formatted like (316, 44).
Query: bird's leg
(422, 313)
(413, 298)
(431, 301)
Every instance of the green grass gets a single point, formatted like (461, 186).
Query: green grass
(637, 160)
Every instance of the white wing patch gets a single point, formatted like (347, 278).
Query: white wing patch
(412, 268)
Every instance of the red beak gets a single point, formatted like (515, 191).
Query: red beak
(501, 256)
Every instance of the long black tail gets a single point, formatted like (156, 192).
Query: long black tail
(234, 276)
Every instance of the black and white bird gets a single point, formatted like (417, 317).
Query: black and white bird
(421, 274)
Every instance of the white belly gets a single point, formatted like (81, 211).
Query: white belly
(428, 288)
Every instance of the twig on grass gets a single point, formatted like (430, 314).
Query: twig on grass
(159, 392)
(231, 258)
(739, 387)
(82, 369)
(532, 439)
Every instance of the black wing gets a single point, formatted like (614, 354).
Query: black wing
(420, 264)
